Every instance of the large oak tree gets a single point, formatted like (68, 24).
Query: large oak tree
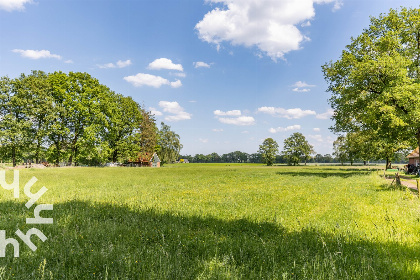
(375, 84)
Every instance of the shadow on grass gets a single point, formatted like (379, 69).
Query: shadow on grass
(103, 241)
(393, 187)
(326, 172)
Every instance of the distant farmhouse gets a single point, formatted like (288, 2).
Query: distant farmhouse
(413, 158)
(146, 161)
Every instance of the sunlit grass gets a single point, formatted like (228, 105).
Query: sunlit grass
(216, 221)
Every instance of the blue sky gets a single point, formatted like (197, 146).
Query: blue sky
(224, 74)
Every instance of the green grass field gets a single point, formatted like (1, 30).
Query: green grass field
(215, 221)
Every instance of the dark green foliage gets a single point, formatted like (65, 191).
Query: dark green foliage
(297, 148)
(71, 119)
(268, 150)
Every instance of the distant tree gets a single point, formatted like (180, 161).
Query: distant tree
(255, 158)
(328, 158)
(214, 157)
(169, 144)
(340, 149)
(297, 148)
(200, 158)
(148, 137)
(319, 158)
(268, 150)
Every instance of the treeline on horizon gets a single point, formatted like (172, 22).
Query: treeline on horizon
(72, 118)
(241, 157)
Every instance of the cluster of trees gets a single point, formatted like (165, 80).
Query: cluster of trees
(375, 88)
(296, 149)
(72, 118)
(233, 157)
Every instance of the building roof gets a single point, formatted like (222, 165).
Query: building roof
(414, 154)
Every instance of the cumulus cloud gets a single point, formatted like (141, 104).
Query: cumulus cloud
(317, 129)
(217, 129)
(35, 54)
(142, 79)
(316, 137)
(328, 114)
(179, 74)
(176, 111)
(203, 140)
(176, 84)
(283, 129)
(300, 86)
(243, 120)
(165, 63)
(227, 113)
(118, 64)
(295, 113)
(269, 25)
(201, 64)
(155, 112)
(11, 5)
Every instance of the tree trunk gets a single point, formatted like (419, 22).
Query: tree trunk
(388, 164)
(57, 153)
(114, 155)
(14, 156)
(364, 162)
(418, 137)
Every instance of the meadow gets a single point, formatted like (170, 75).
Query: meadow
(215, 221)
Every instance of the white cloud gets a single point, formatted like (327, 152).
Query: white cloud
(295, 113)
(179, 74)
(217, 129)
(306, 24)
(122, 64)
(119, 64)
(317, 129)
(301, 90)
(35, 54)
(107, 65)
(302, 87)
(283, 129)
(300, 84)
(10, 5)
(176, 111)
(69, 61)
(316, 137)
(326, 115)
(176, 84)
(243, 120)
(155, 112)
(203, 140)
(164, 63)
(142, 79)
(269, 25)
(199, 64)
(227, 113)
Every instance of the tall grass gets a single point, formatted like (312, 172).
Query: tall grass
(216, 221)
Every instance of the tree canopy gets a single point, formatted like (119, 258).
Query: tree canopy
(168, 144)
(297, 148)
(72, 119)
(268, 150)
(375, 84)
